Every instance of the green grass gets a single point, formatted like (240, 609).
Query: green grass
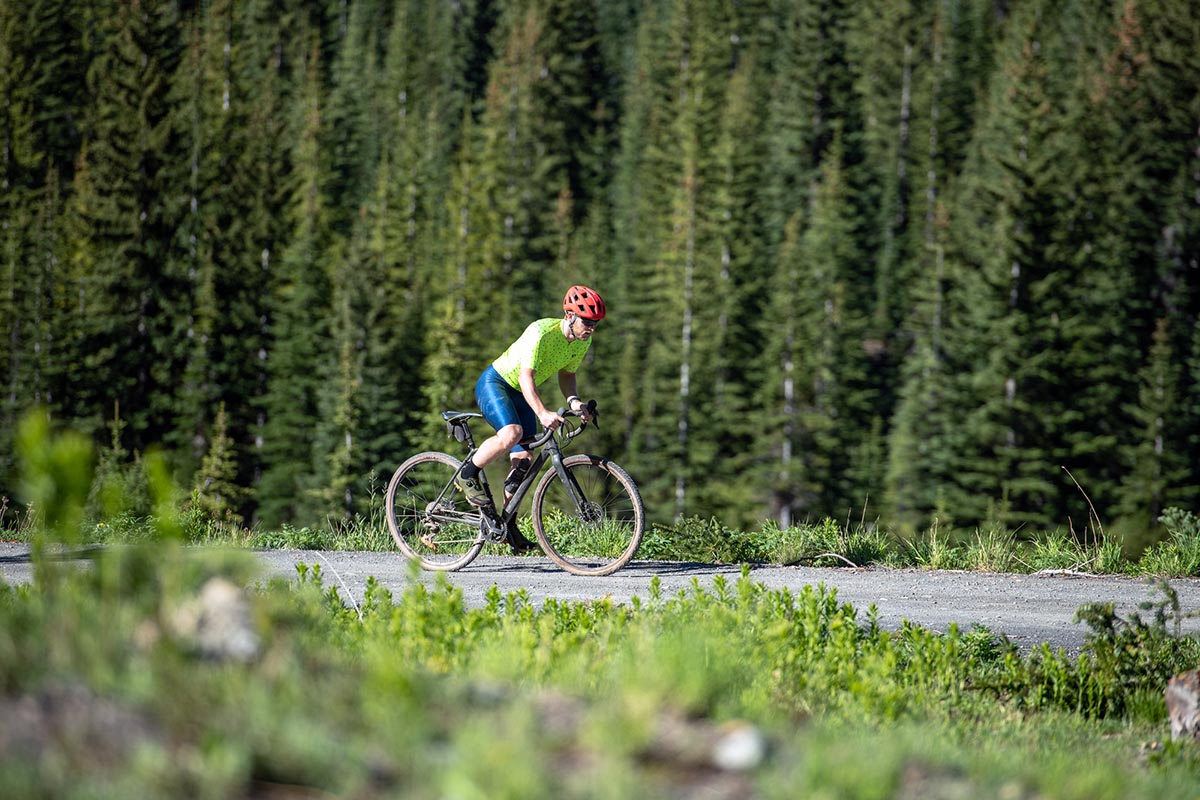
(418, 695)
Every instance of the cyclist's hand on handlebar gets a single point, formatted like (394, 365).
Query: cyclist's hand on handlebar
(550, 420)
(586, 411)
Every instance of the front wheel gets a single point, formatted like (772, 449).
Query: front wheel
(593, 523)
(431, 520)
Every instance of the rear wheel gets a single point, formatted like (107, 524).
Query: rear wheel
(428, 517)
(594, 526)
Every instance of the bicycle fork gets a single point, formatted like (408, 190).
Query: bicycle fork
(574, 490)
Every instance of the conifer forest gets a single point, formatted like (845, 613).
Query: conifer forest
(925, 262)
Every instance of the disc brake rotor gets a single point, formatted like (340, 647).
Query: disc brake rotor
(591, 513)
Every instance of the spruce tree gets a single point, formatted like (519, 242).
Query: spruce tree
(54, 40)
(794, 466)
(952, 48)
(466, 329)
(641, 179)
(820, 385)
(19, 295)
(678, 340)
(217, 490)
(353, 113)
(1159, 466)
(835, 403)
(300, 319)
(741, 290)
(125, 348)
(1030, 302)
(229, 134)
(1144, 98)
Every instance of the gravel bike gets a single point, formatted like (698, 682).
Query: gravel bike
(587, 512)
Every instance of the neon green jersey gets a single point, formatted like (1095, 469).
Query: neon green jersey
(542, 348)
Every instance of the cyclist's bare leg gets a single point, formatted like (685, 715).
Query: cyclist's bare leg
(495, 446)
(492, 448)
(468, 481)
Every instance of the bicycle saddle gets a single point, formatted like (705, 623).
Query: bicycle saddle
(455, 416)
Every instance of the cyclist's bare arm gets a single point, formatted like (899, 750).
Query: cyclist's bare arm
(548, 418)
(566, 382)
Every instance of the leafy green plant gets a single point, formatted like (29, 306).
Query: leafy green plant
(16, 522)
(696, 539)
(828, 543)
(120, 491)
(289, 538)
(1057, 550)
(1121, 670)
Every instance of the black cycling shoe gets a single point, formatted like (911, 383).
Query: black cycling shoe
(517, 541)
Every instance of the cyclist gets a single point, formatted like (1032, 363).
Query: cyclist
(507, 394)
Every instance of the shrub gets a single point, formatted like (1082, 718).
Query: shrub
(829, 544)
(696, 539)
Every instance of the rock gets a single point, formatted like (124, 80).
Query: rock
(734, 746)
(1183, 704)
(217, 624)
(740, 746)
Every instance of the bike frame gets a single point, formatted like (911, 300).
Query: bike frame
(548, 449)
(585, 535)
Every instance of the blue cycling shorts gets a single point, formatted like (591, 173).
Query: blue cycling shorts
(503, 405)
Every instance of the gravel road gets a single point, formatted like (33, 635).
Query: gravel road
(1030, 609)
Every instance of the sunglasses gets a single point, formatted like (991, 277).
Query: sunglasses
(590, 324)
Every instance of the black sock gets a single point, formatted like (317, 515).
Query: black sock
(470, 470)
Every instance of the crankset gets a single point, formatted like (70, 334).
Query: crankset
(492, 529)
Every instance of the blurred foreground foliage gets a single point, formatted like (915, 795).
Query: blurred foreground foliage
(105, 693)
(126, 679)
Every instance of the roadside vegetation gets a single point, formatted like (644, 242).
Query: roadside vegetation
(155, 674)
(126, 500)
(823, 543)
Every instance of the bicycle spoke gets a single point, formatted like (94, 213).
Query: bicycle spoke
(594, 527)
(429, 520)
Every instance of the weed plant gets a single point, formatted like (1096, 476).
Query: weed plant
(935, 549)
(1179, 554)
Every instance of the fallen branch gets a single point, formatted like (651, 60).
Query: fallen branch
(1067, 573)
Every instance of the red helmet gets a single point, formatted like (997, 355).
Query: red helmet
(584, 302)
